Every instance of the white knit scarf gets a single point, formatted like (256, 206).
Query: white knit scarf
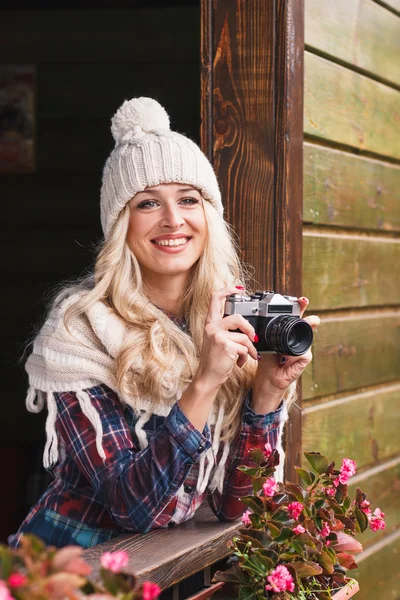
(82, 357)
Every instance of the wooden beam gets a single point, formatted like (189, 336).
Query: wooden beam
(289, 177)
(189, 548)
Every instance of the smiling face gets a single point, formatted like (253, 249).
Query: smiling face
(167, 230)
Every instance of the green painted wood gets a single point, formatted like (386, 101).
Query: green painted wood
(67, 36)
(363, 427)
(341, 271)
(379, 574)
(350, 191)
(359, 32)
(353, 352)
(348, 108)
(93, 99)
(382, 486)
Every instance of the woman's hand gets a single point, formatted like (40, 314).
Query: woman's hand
(222, 346)
(221, 350)
(276, 372)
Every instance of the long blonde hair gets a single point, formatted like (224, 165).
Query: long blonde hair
(168, 353)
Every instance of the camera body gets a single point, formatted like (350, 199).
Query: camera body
(276, 320)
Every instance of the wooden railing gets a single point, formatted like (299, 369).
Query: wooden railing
(173, 556)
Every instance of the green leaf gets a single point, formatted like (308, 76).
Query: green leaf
(258, 456)
(285, 534)
(326, 562)
(251, 471)
(295, 490)
(255, 503)
(346, 503)
(232, 575)
(257, 483)
(262, 536)
(280, 515)
(306, 476)
(362, 519)
(248, 538)
(347, 522)
(308, 569)
(246, 593)
(318, 461)
(273, 529)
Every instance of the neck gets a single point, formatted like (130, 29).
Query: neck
(166, 292)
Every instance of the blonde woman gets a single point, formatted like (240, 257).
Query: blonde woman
(153, 397)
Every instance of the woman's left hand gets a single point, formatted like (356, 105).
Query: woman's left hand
(276, 372)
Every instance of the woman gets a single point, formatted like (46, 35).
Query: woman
(153, 398)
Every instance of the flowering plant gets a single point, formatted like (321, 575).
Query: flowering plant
(297, 542)
(36, 572)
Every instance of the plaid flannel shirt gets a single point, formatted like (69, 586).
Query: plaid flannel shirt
(91, 501)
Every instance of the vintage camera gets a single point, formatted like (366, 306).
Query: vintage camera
(276, 320)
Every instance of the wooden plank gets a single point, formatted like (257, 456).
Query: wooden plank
(360, 33)
(289, 178)
(382, 486)
(242, 93)
(44, 200)
(349, 270)
(378, 574)
(143, 35)
(353, 352)
(92, 99)
(348, 108)
(330, 427)
(189, 548)
(350, 191)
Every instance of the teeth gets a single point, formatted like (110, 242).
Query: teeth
(177, 242)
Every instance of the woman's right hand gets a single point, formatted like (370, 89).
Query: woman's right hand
(222, 346)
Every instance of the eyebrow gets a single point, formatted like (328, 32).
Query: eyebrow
(181, 190)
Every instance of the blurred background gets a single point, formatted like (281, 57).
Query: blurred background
(64, 71)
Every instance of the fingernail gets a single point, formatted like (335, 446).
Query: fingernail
(255, 339)
(239, 287)
(304, 299)
(283, 360)
(258, 356)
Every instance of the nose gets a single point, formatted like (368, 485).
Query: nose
(172, 216)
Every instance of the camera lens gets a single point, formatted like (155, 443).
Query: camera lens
(289, 335)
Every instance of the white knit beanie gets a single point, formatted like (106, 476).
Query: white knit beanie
(148, 153)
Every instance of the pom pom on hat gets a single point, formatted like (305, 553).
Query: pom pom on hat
(138, 116)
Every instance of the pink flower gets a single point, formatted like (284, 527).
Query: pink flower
(4, 592)
(376, 520)
(16, 580)
(114, 561)
(150, 590)
(280, 580)
(270, 487)
(365, 507)
(295, 509)
(330, 491)
(348, 466)
(268, 450)
(246, 517)
(298, 529)
(347, 470)
(325, 531)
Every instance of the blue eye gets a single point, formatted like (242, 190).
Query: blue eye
(147, 204)
(189, 201)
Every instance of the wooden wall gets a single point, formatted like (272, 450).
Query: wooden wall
(88, 62)
(351, 257)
